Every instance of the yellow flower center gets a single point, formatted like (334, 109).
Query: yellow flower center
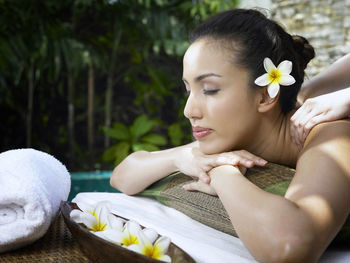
(152, 251)
(130, 240)
(275, 75)
(99, 226)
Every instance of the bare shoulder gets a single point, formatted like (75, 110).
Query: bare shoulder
(321, 185)
(325, 158)
(330, 140)
(329, 132)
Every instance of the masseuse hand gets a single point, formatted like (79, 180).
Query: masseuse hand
(194, 163)
(328, 107)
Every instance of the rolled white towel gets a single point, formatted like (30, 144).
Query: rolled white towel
(32, 186)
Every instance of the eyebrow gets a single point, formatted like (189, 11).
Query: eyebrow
(201, 77)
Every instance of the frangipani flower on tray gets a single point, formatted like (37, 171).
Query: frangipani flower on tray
(275, 76)
(100, 221)
(129, 235)
(156, 250)
(98, 218)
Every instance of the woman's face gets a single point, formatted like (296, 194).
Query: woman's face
(221, 107)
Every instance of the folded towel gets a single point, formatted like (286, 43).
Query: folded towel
(32, 186)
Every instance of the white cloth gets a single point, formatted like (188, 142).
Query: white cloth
(203, 243)
(32, 186)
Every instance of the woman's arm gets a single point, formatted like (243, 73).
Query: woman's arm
(141, 169)
(333, 78)
(299, 226)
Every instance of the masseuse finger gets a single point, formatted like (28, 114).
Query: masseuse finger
(297, 130)
(307, 123)
(298, 122)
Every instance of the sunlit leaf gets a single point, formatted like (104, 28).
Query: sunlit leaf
(141, 126)
(110, 154)
(144, 147)
(155, 139)
(122, 150)
(118, 131)
(176, 134)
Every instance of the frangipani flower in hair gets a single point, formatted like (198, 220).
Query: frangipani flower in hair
(275, 76)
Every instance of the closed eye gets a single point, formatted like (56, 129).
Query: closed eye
(210, 92)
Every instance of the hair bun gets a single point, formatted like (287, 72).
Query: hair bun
(304, 49)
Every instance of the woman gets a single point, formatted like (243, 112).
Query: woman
(239, 112)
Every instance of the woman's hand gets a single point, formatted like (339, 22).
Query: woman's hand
(192, 162)
(200, 187)
(328, 107)
(208, 188)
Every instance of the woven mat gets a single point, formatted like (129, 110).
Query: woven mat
(57, 245)
(208, 209)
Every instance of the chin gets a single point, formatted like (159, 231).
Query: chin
(211, 148)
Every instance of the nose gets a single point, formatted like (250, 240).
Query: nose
(192, 108)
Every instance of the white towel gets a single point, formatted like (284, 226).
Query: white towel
(32, 186)
(203, 243)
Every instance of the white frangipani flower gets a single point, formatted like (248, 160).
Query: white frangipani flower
(126, 236)
(96, 218)
(99, 220)
(275, 76)
(157, 250)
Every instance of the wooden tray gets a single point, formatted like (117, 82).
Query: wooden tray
(99, 250)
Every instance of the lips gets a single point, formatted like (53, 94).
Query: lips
(199, 132)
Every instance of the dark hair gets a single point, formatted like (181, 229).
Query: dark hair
(252, 37)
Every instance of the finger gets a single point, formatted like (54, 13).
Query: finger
(304, 109)
(226, 159)
(191, 186)
(204, 177)
(199, 186)
(235, 160)
(248, 159)
(316, 120)
(301, 131)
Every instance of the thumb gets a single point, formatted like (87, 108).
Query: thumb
(190, 187)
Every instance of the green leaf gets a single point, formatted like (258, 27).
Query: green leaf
(141, 126)
(118, 131)
(155, 139)
(144, 147)
(176, 134)
(122, 151)
(110, 154)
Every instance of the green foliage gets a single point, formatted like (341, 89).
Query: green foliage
(53, 43)
(175, 134)
(136, 137)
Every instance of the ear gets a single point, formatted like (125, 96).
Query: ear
(266, 103)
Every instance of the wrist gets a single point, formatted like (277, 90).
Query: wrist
(174, 158)
(220, 174)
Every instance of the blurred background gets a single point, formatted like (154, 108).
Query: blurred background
(90, 81)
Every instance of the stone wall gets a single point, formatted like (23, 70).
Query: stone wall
(325, 23)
